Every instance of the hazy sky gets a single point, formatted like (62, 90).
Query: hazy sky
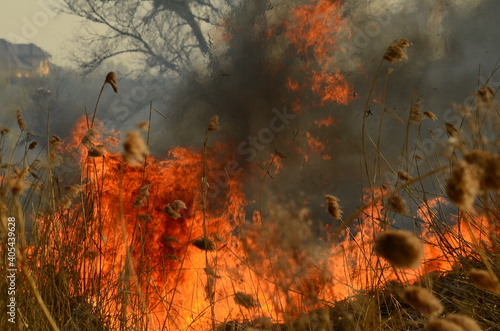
(36, 21)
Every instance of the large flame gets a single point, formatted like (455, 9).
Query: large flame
(244, 270)
(213, 264)
(312, 30)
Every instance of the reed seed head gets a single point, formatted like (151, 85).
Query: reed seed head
(485, 280)
(142, 197)
(88, 139)
(465, 322)
(33, 145)
(463, 185)
(397, 204)
(111, 80)
(205, 244)
(487, 166)
(333, 207)
(451, 129)
(479, 171)
(404, 176)
(430, 115)
(486, 94)
(396, 52)
(54, 159)
(95, 151)
(400, 248)
(213, 125)
(20, 121)
(144, 125)
(135, 149)
(245, 300)
(18, 187)
(416, 115)
(173, 209)
(422, 300)
(442, 325)
(67, 199)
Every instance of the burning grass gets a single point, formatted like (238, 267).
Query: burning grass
(120, 249)
(131, 242)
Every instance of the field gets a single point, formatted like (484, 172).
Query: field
(97, 233)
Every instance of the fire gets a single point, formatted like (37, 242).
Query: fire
(312, 31)
(326, 122)
(209, 265)
(317, 147)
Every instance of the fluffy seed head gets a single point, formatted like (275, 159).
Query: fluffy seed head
(397, 51)
(486, 94)
(465, 322)
(416, 115)
(213, 125)
(142, 197)
(484, 279)
(451, 129)
(111, 80)
(205, 244)
(487, 167)
(144, 125)
(401, 248)
(20, 120)
(88, 139)
(19, 187)
(95, 151)
(173, 208)
(135, 148)
(430, 115)
(404, 176)
(442, 325)
(245, 300)
(463, 185)
(333, 207)
(73, 192)
(397, 204)
(422, 300)
(33, 145)
(479, 171)
(54, 159)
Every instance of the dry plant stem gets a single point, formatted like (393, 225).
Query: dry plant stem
(129, 262)
(263, 182)
(346, 223)
(476, 244)
(38, 297)
(97, 104)
(205, 231)
(363, 133)
(376, 165)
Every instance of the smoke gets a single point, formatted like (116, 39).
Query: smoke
(249, 81)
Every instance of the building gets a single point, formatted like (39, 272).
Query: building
(22, 60)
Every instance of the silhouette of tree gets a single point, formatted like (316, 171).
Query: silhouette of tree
(168, 34)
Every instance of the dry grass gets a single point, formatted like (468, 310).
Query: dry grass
(69, 282)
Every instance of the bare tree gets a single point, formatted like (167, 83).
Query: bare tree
(168, 34)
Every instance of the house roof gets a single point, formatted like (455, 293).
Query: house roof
(21, 56)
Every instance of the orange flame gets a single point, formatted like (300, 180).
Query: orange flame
(312, 30)
(136, 251)
(317, 146)
(326, 122)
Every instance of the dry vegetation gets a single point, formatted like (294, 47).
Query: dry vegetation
(60, 285)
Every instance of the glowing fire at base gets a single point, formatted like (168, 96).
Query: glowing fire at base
(148, 257)
(141, 258)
